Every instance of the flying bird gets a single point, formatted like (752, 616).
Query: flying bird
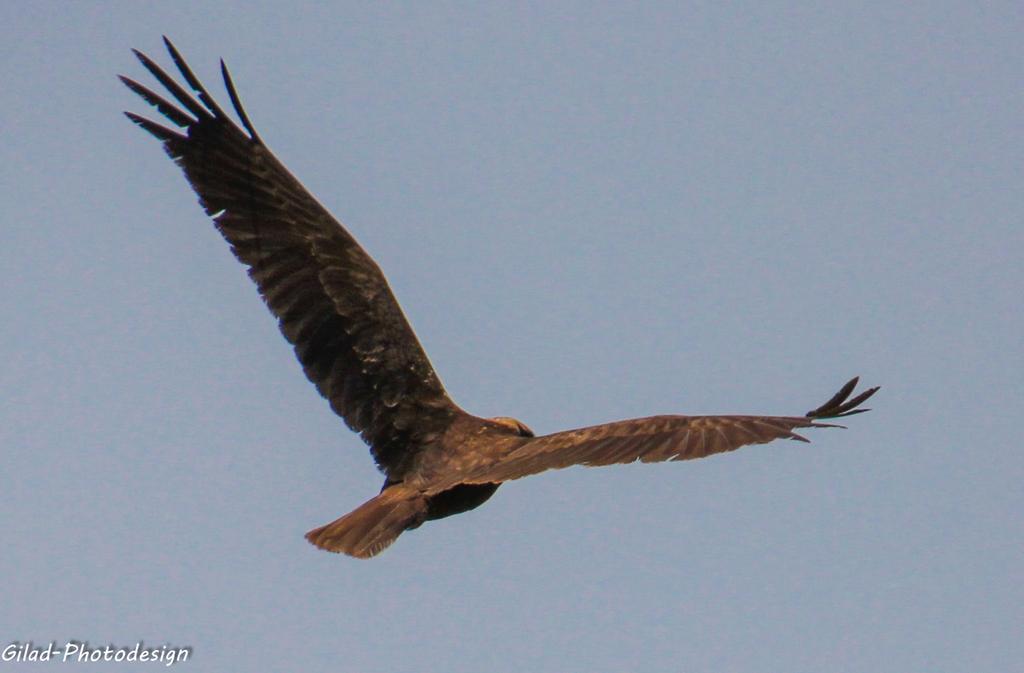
(355, 345)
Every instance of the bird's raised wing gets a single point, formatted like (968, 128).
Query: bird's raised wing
(332, 301)
(661, 438)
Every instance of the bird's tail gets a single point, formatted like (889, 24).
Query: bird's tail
(371, 527)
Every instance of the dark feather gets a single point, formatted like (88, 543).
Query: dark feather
(837, 406)
(331, 300)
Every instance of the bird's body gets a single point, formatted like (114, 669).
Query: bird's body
(355, 345)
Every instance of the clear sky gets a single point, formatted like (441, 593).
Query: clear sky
(589, 212)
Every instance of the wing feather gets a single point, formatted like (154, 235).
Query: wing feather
(658, 438)
(330, 298)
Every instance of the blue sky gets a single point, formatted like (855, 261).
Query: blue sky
(589, 212)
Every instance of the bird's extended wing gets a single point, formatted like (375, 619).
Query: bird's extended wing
(660, 438)
(333, 303)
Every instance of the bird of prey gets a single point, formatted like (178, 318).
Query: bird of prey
(355, 345)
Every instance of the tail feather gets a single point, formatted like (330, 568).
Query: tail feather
(371, 527)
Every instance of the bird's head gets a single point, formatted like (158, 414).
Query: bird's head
(517, 427)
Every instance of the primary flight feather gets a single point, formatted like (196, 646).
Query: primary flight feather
(334, 306)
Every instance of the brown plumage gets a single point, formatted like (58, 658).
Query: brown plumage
(355, 345)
